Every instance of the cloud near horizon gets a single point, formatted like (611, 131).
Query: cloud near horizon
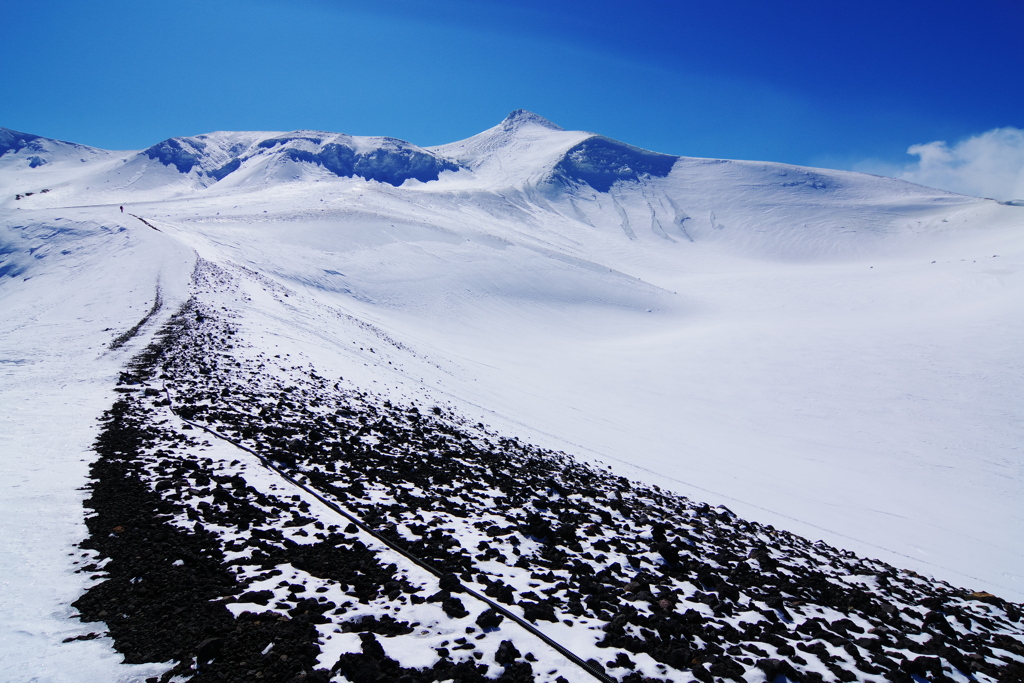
(987, 165)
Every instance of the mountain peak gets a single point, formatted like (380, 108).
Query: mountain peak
(521, 117)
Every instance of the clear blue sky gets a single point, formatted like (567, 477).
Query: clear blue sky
(813, 82)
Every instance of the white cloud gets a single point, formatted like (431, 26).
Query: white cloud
(987, 165)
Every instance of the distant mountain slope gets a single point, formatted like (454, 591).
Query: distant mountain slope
(30, 164)
(218, 155)
(36, 151)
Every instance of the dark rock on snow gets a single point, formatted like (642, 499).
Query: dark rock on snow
(228, 579)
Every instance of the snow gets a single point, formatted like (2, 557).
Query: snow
(62, 306)
(517, 150)
(831, 353)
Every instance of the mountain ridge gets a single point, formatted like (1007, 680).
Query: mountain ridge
(565, 157)
(532, 366)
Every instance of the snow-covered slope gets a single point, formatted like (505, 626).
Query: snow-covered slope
(179, 167)
(33, 165)
(832, 353)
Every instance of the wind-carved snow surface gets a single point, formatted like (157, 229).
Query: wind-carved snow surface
(830, 353)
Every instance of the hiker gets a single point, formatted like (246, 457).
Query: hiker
(122, 209)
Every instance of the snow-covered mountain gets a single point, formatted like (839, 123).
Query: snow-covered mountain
(831, 353)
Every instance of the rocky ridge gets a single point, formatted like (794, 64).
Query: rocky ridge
(228, 569)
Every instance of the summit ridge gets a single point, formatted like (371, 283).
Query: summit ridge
(521, 117)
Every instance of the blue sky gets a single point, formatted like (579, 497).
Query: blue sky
(820, 83)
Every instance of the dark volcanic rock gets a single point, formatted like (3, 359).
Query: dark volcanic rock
(647, 574)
